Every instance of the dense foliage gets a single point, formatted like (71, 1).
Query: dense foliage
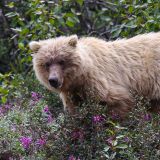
(32, 122)
(25, 20)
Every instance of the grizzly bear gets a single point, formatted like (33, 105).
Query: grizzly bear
(107, 72)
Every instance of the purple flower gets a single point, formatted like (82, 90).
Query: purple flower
(13, 127)
(1, 111)
(41, 142)
(110, 140)
(49, 118)
(35, 96)
(114, 115)
(71, 157)
(4, 108)
(147, 117)
(126, 139)
(7, 106)
(26, 142)
(77, 134)
(97, 118)
(46, 109)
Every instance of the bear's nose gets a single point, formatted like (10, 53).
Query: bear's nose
(54, 82)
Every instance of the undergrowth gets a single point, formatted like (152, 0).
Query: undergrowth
(34, 126)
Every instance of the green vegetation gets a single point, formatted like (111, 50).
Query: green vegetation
(32, 122)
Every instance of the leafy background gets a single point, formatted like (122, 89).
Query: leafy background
(32, 122)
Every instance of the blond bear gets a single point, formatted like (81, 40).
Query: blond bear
(103, 71)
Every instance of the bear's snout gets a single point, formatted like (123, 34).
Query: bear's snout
(54, 82)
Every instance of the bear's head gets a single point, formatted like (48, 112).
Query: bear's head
(55, 61)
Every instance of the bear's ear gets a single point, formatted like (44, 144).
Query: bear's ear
(73, 40)
(34, 46)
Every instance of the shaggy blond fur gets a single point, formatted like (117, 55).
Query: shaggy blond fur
(107, 71)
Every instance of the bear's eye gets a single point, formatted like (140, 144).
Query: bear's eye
(47, 65)
(61, 62)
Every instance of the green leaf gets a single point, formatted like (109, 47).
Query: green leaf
(16, 29)
(110, 131)
(113, 155)
(38, 12)
(151, 21)
(70, 22)
(106, 149)
(69, 14)
(3, 99)
(11, 14)
(116, 33)
(80, 2)
(122, 146)
(149, 1)
(25, 31)
(114, 143)
(130, 9)
(131, 26)
(119, 127)
(21, 45)
(10, 5)
(106, 155)
(52, 21)
(120, 136)
(3, 91)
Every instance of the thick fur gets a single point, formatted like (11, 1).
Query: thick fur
(106, 71)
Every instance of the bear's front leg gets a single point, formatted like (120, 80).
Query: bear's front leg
(67, 103)
(120, 101)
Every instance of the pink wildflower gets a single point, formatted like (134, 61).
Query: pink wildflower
(49, 119)
(110, 140)
(41, 142)
(26, 142)
(4, 108)
(46, 109)
(147, 117)
(126, 139)
(97, 118)
(1, 110)
(71, 157)
(35, 96)
(77, 134)
(49, 116)
(7, 106)
(114, 115)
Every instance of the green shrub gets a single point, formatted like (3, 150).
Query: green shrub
(31, 127)
(38, 19)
